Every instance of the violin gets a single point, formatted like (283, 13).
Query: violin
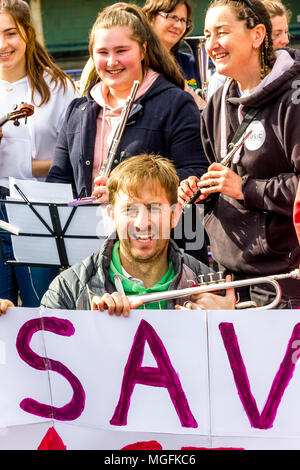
(22, 111)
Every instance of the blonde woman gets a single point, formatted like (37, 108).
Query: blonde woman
(164, 119)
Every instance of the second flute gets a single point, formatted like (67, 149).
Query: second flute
(225, 161)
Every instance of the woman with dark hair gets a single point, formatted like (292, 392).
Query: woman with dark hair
(250, 220)
(163, 120)
(172, 20)
(280, 17)
(27, 74)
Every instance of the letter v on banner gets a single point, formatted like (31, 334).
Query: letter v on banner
(162, 376)
(265, 419)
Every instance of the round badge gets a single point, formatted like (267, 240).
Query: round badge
(258, 136)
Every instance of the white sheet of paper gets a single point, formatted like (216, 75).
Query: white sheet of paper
(87, 221)
(40, 250)
(38, 191)
(263, 338)
(108, 343)
(18, 379)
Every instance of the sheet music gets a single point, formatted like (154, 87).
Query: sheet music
(38, 191)
(87, 221)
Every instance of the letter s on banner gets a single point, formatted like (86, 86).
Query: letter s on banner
(75, 407)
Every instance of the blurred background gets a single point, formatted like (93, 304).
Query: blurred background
(64, 26)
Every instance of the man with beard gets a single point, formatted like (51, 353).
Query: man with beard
(139, 257)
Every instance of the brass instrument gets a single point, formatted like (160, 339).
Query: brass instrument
(197, 44)
(213, 286)
(107, 164)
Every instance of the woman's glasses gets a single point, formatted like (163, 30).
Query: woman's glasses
(174, 18)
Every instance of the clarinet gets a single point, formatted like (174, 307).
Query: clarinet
(107, 164)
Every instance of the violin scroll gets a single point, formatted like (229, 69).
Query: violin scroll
(22, 111)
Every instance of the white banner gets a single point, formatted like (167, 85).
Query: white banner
(184, 379)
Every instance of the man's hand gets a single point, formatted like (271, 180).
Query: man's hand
(4, 304)
(209, 301)
(115, 304)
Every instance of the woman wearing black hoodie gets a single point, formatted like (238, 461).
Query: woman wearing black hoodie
(250, 221)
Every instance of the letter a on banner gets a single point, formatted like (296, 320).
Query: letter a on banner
(162, 376)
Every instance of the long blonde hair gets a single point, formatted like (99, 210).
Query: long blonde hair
(132, 16)
(37, 59)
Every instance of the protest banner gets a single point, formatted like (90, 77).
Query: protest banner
(173, 379)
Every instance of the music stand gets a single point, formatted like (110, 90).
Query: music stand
(54, 235)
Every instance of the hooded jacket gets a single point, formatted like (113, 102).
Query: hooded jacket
(256, 235)
(164, 121)
(70, 290)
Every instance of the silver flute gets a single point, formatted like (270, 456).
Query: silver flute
(107, 164)
(225, 161)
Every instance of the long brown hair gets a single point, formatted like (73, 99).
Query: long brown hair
(151, 8)
(37, 59)
(132, 16)
(253, 12)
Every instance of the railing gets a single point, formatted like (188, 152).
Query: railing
(74, 73)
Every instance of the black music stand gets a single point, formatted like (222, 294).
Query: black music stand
(53, 222)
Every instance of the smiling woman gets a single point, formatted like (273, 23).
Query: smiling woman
(118, 60)
(27, 74)
(250, 223)
(164, 119)
(172, 20)
(12, 50)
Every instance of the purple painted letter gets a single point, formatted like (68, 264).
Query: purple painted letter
(266, 419)
(75, 407)
(162, 376)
